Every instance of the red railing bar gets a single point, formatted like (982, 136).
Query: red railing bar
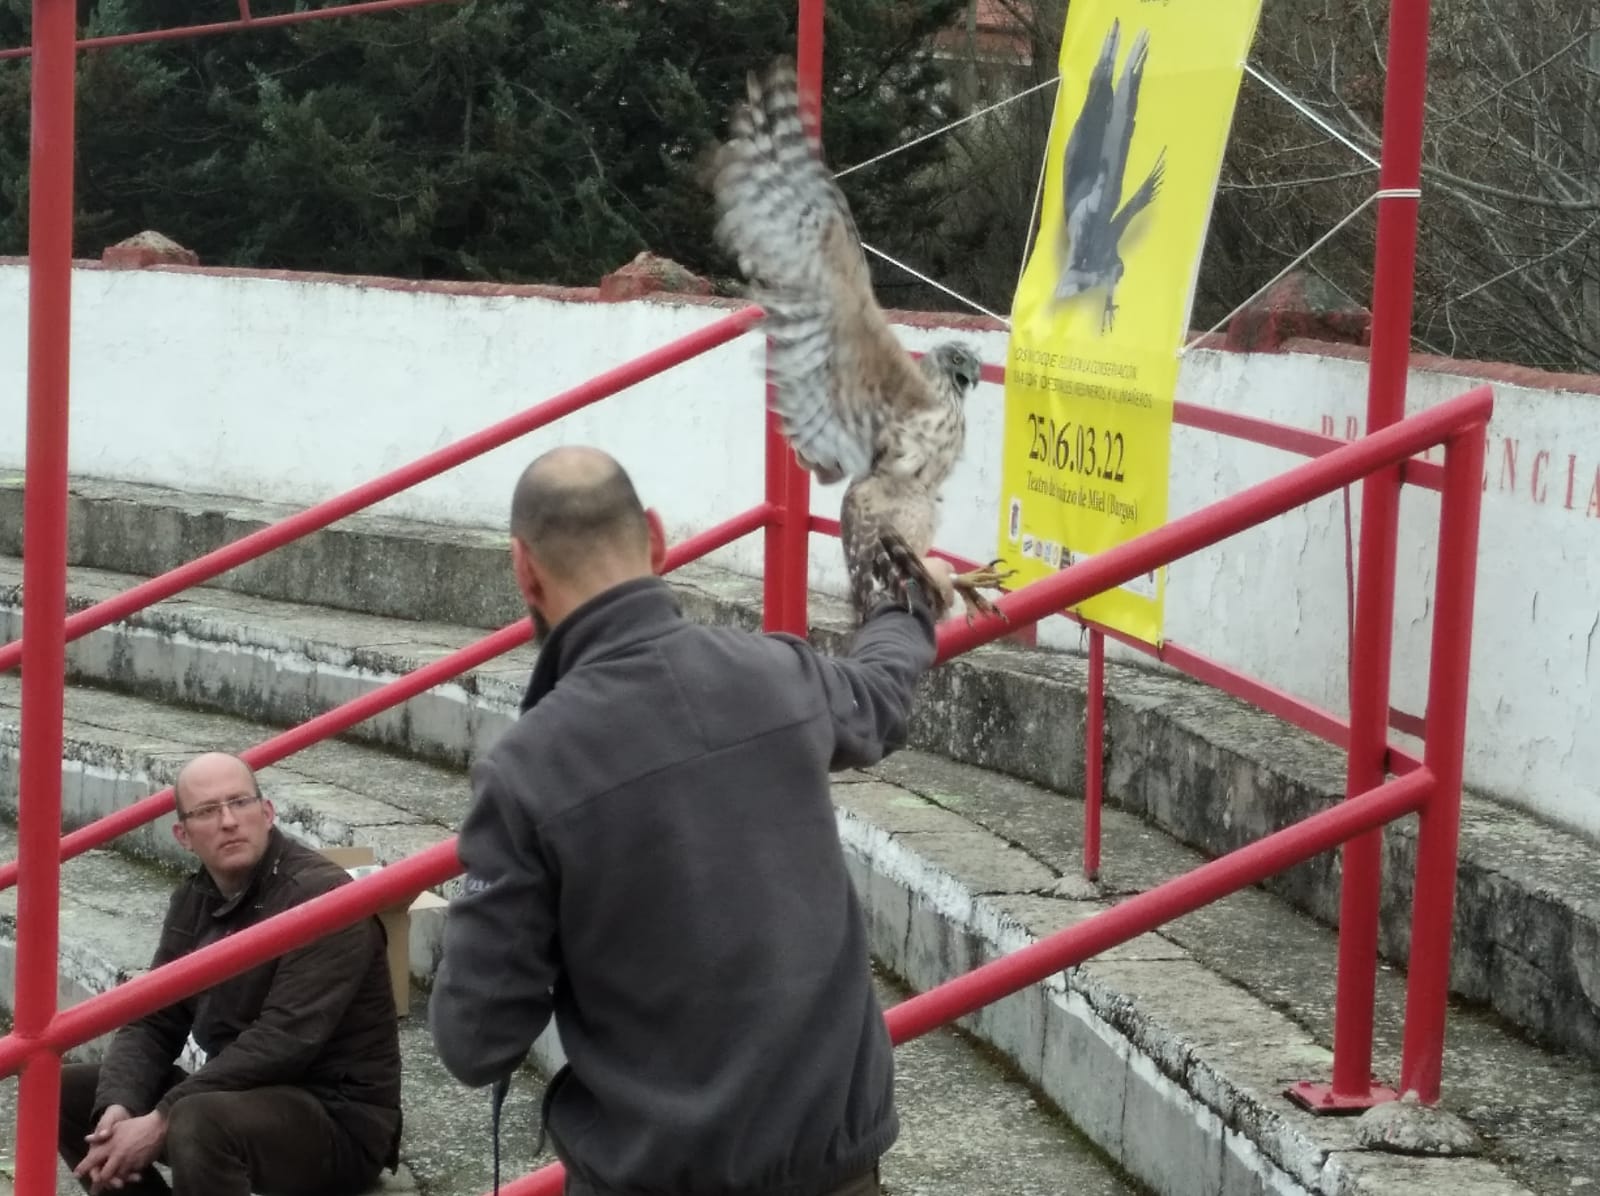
(549, 1180)
(245, 21)
(341, 718)
(215, 962)
(1094, 754)
(1439, 830)
(1257, 431)
(1425, 474)
(1138, 915)
(1409, 724)
(1296, 711)
(786, 551)
(1275, 701)
(784, 596)
(315, 518)
(1068, 948)
(329, 723)
(1220, 520)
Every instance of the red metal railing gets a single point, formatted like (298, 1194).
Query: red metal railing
(1433, 789)
(1431, 786)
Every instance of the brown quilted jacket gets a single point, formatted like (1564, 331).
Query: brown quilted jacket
(321, 1017)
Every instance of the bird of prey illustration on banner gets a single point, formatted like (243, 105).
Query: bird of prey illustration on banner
(852, 402)
(1095, 162)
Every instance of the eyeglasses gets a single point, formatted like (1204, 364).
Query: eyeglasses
(212, 810)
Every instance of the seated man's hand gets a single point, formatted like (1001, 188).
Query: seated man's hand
(121, 1148)
(102, 1131)
(99, 1140)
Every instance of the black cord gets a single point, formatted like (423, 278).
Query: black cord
(498, 1096)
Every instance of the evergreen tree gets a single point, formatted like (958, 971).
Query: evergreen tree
(493, 139)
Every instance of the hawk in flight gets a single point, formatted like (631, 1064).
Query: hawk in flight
(852, 402)
(1095, 161)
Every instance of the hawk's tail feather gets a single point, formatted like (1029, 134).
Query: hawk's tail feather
(895, 566)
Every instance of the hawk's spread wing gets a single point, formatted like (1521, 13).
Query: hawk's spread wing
(837, 368)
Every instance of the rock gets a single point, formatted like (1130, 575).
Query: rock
(148, 248)
(1074, 886)
(648, 274)
(1407, 1126)
(1300, 305)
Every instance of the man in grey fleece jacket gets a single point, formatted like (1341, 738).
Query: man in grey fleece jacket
(652, 858)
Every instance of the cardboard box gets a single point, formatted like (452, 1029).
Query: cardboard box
(396, 919)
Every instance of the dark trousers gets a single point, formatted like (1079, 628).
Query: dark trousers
(276, 1141)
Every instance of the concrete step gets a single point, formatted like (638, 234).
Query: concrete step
(1206, 769)
(963, 1113)
(281, 663)
(119, 749)
(1200, 1025)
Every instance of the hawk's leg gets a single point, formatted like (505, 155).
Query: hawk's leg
(967, 585)
(1110, 316)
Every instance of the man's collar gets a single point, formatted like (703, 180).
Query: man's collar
(264, 866)
(624, 614)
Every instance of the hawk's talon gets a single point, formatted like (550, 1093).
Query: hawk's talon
(988, 577)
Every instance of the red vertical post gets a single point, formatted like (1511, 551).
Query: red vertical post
(1094, 754)
(44, 583)
(775, 564)
(788, 538)
(808, 55)
(1405, 88)
(1439, 829)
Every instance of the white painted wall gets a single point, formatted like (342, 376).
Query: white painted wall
(295, 389)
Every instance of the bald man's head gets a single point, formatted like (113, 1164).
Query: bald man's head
(575, 509)
(210, 770)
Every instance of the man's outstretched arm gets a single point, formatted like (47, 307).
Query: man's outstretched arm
(870, 687)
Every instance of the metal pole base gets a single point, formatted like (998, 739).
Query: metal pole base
(1318, 1097)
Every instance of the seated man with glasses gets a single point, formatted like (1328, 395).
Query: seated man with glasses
(300, 1088)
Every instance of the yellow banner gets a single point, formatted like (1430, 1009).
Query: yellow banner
(1101, 313)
